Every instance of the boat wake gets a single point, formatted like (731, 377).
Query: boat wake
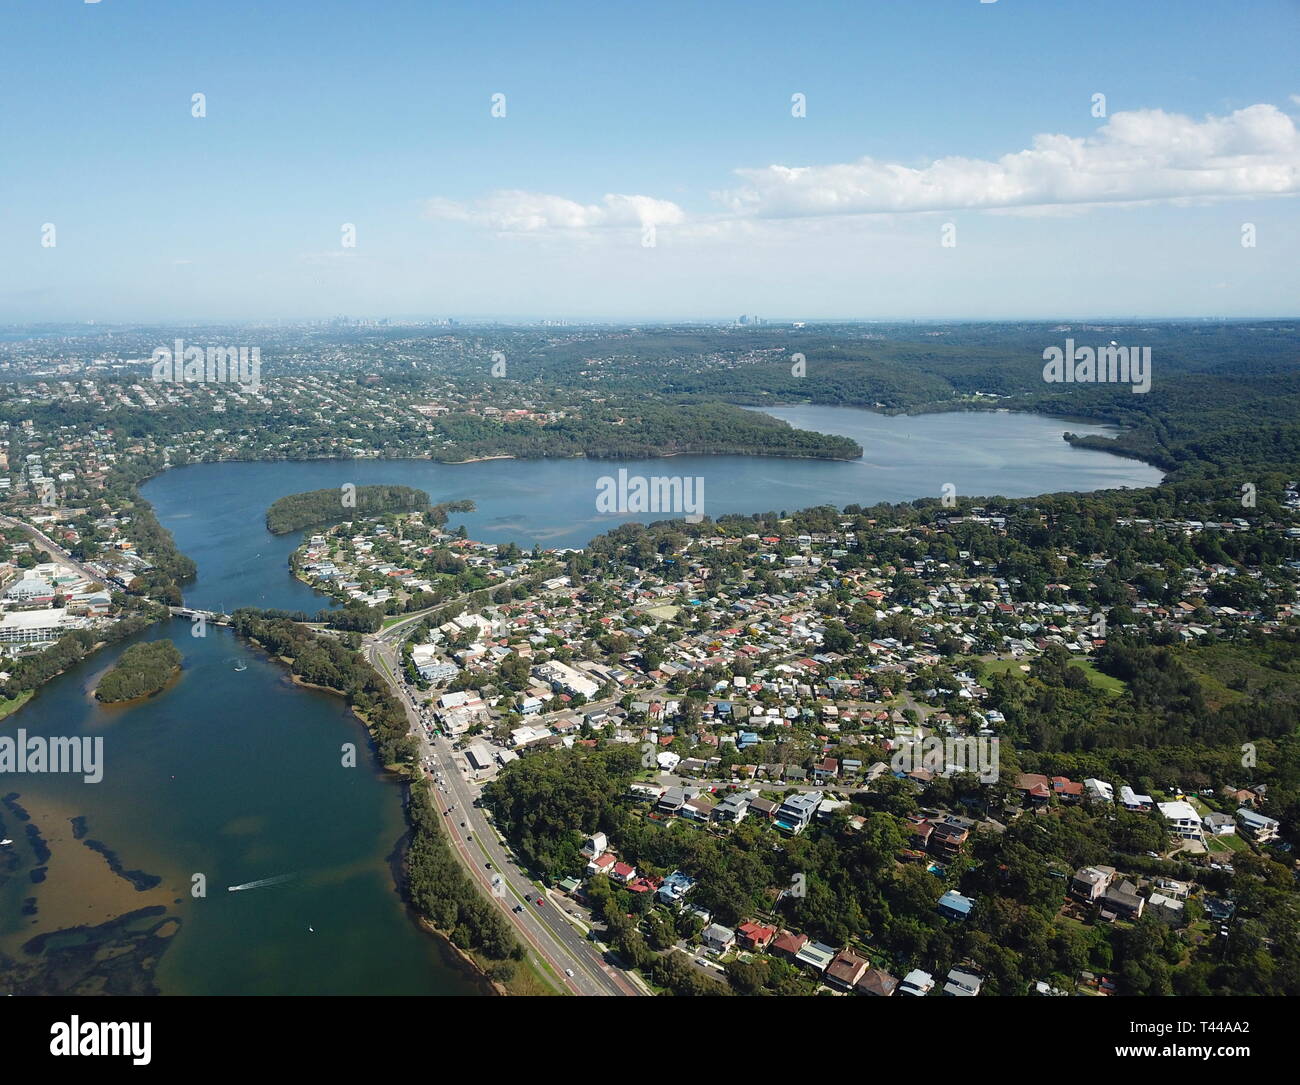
(261, 883)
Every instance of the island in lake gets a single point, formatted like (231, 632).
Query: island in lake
(141, 670)
(313, 508)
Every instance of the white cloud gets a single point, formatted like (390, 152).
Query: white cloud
(1141, 155)
(1136, 157)
(515, 211)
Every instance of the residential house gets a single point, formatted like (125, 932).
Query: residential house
(788, 944)
(672, 801)
(1260, 828)
(1090, 883)
(1068, 791)
(718, 938)
(846, 969)
(949, 837)
(952, 905)
(1219, 824)
(1036, 788)
(675, 886)
(877, 983)
(963, 983)
(1122, 902)
(815, 956)
(1131, 800)
(916, 983)
(794, 815)
(1183, 819)
(755, 936)
(602, 864)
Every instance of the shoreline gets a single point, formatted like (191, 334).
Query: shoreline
(972, 407)
(451, 952)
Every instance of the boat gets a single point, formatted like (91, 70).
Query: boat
(241, 666)
(312, 930)
(5, 843)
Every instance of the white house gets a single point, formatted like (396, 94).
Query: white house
(1183, 820)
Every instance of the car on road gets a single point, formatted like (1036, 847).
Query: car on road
(540, 902)
(569, 972)
(519, 908)
(487, 866)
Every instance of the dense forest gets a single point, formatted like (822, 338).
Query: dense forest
(643, 428)
(141, 670)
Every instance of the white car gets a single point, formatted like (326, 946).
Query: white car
(569, 972)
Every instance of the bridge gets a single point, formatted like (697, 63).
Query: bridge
(192, 612)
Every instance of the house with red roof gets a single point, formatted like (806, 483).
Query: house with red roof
(788, 944)
(754, 935)
(602, 864)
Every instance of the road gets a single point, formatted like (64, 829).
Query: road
(56, 551)
(545, 930)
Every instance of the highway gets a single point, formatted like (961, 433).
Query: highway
(57, 552)
(557, 945)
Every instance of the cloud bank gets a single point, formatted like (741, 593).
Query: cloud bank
(1139, 156)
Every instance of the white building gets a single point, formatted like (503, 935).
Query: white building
(566, 678)
(35, 626)
(1183, 820)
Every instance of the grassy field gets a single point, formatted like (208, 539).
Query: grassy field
(1001, 666)
(13, 704)
(1101, 681)
(1012, 666)
(1229, 674)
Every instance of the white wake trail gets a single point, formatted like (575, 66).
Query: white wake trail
(261, 883)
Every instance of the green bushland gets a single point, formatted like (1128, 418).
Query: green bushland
(296, 511)
(141, 670)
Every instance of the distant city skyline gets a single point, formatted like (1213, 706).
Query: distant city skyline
(836, 162)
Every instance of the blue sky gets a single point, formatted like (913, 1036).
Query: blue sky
(622, 117)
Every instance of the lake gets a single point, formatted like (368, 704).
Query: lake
(216, 511)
